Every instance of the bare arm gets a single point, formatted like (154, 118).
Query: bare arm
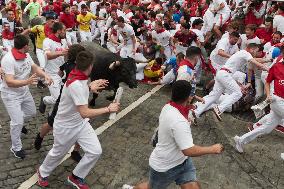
(196, 151)
(223, 54)
(12, 82)
(52, 55)
(87, 112)
(36, 69)
(259, 65)
(267, 91)
(26, 31)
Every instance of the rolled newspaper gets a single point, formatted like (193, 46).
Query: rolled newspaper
(258, 109)
(117, 98)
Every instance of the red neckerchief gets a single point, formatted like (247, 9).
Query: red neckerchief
(271, 42)
(184, 110)
(18, 55)
(160, 31)
(54, 38)
(7, 34)
(251, 37)
(47, 30)
(187, 63)
(74, 76)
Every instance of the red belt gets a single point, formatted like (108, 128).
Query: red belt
(227, 70)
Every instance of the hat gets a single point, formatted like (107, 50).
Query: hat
(181, 90)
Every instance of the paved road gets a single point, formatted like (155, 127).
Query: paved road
(126, 150)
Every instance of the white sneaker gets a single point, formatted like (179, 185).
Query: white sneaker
(239, 145)
(282, 156)
(126, 186)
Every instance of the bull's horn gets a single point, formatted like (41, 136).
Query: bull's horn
(111, 66)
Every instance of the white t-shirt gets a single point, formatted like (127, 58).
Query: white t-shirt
(93, 7)
(278, 23)
(174, 135)
(245, 41)
(76, 94)
(52, 66)
(21, 70)
(224, 45)
(126, 32)
(225, 10)
(238, 61)
(163, 38)
(200, 35)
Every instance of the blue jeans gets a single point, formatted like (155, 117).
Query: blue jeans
(181, 174)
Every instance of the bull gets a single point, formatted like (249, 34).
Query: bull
(111, 67)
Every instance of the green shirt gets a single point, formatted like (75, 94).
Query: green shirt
(34, 9)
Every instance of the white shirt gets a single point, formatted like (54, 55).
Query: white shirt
(52, 66)
(20, 69)
(224, 45)
(278, 23)
(225, 10)
(174, 135)
(200, 36)
(238, 61)
(93, 7)
(76, 94)
(245, 41)
(126, 32)
(163, 38)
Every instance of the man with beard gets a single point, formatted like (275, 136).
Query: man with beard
(55, 48)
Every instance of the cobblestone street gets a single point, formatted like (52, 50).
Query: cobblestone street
(126, 149)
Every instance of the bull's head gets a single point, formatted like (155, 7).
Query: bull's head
(125, 71)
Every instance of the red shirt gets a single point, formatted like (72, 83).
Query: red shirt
(186, 40)
(261, 33)
(276, 74)
(68, 20)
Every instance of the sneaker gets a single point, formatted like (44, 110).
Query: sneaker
(79, 183)
(280, 129)
(217, 113)
(38, 142)
(282, 156)
(42, 106)
(75, 155)
(239, 145)
(126, 186)
(18, 154)
(41, 85)
(24, 130)
(43, 182)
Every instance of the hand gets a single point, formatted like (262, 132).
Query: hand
(244, 88)
(217, 148)
(113, 107)
(64, 52)
(264, 67)
(269, 98)
(134, 51)
(1, 72)
(48, 80)
(32, 80)
(98, 85)
(202, 100)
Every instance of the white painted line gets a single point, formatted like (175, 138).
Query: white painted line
(31, 181)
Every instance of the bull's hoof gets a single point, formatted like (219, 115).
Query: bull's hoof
(92, 102)
(110, 98)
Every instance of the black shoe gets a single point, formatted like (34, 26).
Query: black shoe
(75, 155)
(38, 142)
(19, 154)
(41, 85)
(42, 106)
(24, 130)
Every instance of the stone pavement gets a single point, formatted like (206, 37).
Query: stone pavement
(126, 149)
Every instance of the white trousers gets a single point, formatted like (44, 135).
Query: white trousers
(71, 37)
(86, 36)
(41, 57)
(112, 47)
(268, 122)
(19, 108)
(168, 78)
(64, 139)
(181, 49)
(126, 51)
(223, 82)
(54, 90)
(140, 71)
